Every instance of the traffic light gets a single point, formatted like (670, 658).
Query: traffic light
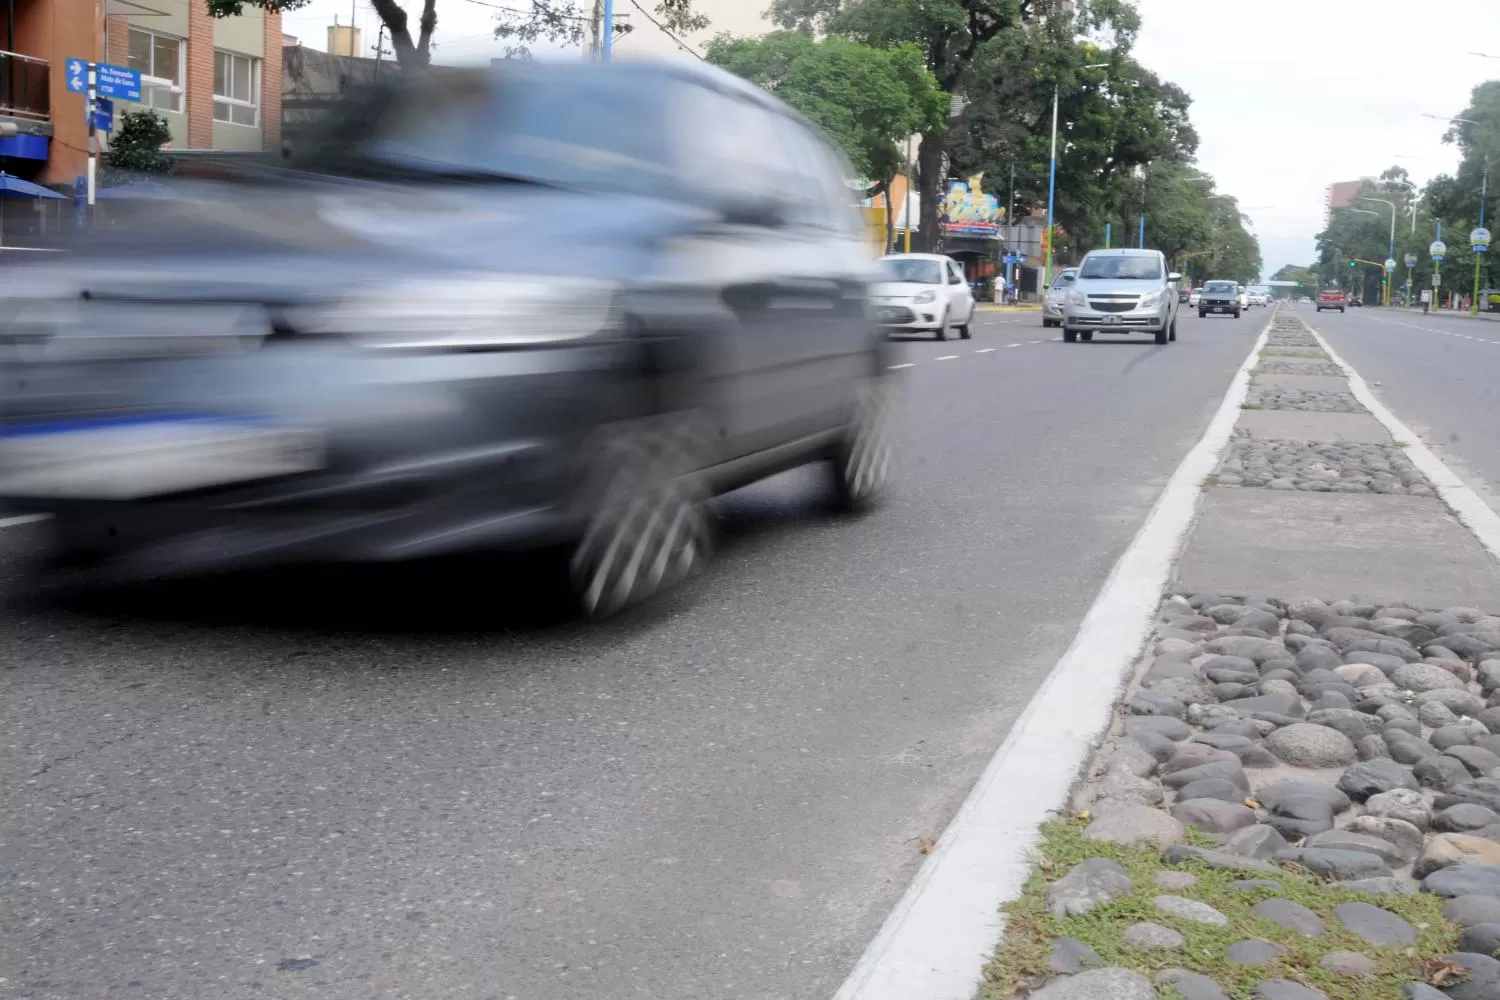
(1351, 263)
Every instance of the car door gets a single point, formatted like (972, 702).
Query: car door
(960, 295)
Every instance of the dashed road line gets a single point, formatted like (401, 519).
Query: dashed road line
(20, 519)
(947, 357)
(909, 364)
(984, 350)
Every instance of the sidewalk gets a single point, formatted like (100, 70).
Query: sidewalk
(1300, 796)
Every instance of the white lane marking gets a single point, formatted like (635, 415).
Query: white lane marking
(1015, 345)
(944, 928)
(1476, 515)
(908, 364)
(947, 357)
(20, 519)
(985, 350)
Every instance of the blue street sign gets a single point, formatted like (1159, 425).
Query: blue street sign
(104, 114)
(77, 72)
(1479, 239)
(118, 81)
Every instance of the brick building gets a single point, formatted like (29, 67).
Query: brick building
(217, 82)
(1341, 194)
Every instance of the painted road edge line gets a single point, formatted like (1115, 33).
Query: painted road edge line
(1467, 506)
(936, 941)
(20, 519)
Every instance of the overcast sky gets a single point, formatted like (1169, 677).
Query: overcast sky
(1288, 95)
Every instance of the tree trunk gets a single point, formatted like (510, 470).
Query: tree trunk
(408, 53)
(930, 186)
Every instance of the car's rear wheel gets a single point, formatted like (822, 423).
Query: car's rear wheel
(648, 522)
(861, 465)
(1070, 336)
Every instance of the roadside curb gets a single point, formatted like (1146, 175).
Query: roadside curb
(943, 930)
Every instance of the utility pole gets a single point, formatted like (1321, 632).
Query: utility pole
(607, 49)
(1478, 246)
(596, 22)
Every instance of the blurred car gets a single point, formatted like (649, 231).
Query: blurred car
(1194, 296)
(923, 293)
(1219, 297)
(1057, 296)
(1122, 291)
(1331, 298)
(1256, 298)
(1242, 297)
(539, 306)
(1183, 295)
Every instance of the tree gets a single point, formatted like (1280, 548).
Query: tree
(867, 100)
(570, 22)
(135, 148)
(409, 52)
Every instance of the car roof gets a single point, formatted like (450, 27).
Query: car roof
(915, 256)
(1124, 252)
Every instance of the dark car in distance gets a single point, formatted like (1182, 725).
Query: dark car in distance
(538, 306)
(1219, 297)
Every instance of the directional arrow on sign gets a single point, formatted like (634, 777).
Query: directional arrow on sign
(77, 73)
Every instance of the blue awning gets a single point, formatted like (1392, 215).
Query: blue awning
(26, 147)
(19, 188)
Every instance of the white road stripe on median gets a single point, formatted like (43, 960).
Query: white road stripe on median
(947, 357)
(984, 350)
(935, 943)
(20, 519)
(908, 364)
(1016, 345)
(1476, 515)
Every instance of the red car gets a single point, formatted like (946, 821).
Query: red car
(1332, 298)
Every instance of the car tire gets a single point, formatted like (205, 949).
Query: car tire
(860, 467)
(1086, 336)
(964, 332)
(1202, 313)
(1070, 336)
(1162, 334)
(647, 514)
(1172, 331)
(942, 330)
(1236, 314)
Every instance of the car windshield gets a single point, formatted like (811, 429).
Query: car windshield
(914, 270)
(504, 125)
(1063, 279)
(1123, 266)
(1219, 286)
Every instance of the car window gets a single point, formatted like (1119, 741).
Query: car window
(955, 274)
(830, 201)
(1219, 286)
(730, 145)
(1063, 279)
(1121, 266)
(915, 270)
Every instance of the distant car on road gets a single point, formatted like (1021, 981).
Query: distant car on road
(1194, 296)
(1331, 298)
(1182, 296)
(1122, 291)
(1258, 298)
(923, 293)
(1057, 296)
(1219, 297)
(1242, 297)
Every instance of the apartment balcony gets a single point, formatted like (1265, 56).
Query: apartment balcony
(25, 87)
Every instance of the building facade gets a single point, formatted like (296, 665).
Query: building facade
(1340, 194)
(217, 82)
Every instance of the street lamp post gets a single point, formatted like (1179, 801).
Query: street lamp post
(1390, 254)
(608, 44)
(1052, 177)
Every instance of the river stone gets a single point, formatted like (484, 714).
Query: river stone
(1458, 702)
(1285, 989)
(1111, 983)
(1443, 773)
(1463, 818)
(1372, 924)
(1278, 704)
(1483, 982)
(1222, 860)
(1213, 815)
(1340, 865)
(1253, 952)
(1482, 791)
(1210, 715)
(1400, 803)
(1298, 816)
(1313, 611)
(1347, 721)
(1175, 881)
(1406, 748)
(1186, 691)
(1149, 935)
(1478, 760)
(1255, 884)
(1194, 754)
(1316, 656)
(1371, 777)
(1360, 674)
(1464, 880)
(1332, 701)
(1132, 824)
(1489, 718)
(1372, 748)
(1290, 915)
(1126, 787)
(1258, 841)
(1259, 650)
(1384, 662)
(1157, 745)
(1087, 885)
(1228, 770)
(1380, 885)
(1153, 703)
(1348, 963)
(1070, 956)
(1130, 758)
(1424, 677)
(1190, 909)
(1466, 911)
(1272, 796)
(1435, 713)
(1307, 745)
(1211, 788)
(1281, 686)
(1480, 939)
(1447, 849)
(1456, 734)
(1190, 985)
(1472, 647)
(1248, 728)
(1348, 840)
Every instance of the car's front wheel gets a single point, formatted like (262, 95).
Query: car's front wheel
(1236, 314)
(648, 523)
(1070, 336)
(861, 465)
(1172, 332)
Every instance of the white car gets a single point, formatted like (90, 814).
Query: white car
(1193, 298)
(1057, 297)
(922, 293)
(1242, 297)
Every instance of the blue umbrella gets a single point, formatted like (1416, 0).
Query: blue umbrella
(15, 187)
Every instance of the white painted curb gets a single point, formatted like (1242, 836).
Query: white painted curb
(934, 945)
(1468, 506)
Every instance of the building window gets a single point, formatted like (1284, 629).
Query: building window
(160, 60)
(236, 89)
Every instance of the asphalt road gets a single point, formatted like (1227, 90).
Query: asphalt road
(398, 783)
(1440, 375)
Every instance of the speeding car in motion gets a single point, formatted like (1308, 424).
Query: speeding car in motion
(1056, 300)
(543, 305)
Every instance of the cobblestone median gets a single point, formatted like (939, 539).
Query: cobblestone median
(1298, 366)
(1320, 467)
(1319, 401)
(1302, 802)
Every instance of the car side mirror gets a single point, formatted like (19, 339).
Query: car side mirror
(766, 211)
(1174, 277)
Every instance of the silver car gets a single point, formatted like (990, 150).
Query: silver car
(1057, 296)
(1122, 291)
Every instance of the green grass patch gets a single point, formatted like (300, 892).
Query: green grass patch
(1030, 928)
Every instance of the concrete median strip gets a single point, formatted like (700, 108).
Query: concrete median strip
(1300, 795)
